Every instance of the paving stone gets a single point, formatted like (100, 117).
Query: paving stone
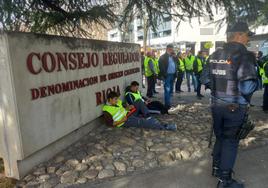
(90, 174)
(153, 164)
(185, 155)
(105, 174)
(51, 169)
(109, 166)
(81, 167)
(72, 163)
(44, 177)
(127, 141)
(45, 185)
(120, 166)
(158, 148)
(28, 178)
(165, 159)
(138, 163)
(69, 177)
(150, 155)
(33, 183)
(81, 180)
(40, 171)
(54, 181)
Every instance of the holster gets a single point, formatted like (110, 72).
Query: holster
(246, 128)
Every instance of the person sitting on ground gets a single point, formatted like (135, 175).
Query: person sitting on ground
(133, 97)
(116, 115)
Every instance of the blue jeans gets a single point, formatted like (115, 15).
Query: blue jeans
(168, 88)
(188, 77)
(226, 124)
(147, 123)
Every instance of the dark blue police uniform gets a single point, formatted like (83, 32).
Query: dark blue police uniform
(231, 76)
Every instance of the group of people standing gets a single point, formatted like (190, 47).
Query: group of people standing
(172, 68)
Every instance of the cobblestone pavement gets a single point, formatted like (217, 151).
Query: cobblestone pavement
(108, 153)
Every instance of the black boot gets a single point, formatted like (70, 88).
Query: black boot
(226, 181)
(216, 169)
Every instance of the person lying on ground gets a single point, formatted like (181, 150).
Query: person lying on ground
(133, 97)
(116, 115)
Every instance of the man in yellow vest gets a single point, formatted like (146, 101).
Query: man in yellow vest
(189, 61)
(150, 73)
(133, 97)
(181, 71)
(264, 74)
(156, 67)
(116, 115)
(142, 67)
(198, 68)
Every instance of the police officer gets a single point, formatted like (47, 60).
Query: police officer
(232, 78)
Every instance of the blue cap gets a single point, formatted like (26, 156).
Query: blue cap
(240, 27)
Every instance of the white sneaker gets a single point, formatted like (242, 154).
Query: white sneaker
(173, 110)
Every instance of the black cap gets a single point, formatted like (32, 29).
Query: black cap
(240, 27)
(170, 46)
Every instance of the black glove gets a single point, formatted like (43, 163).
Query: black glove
(207, 86)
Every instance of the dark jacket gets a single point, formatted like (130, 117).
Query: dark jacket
(163, 64)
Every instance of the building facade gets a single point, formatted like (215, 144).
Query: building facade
(184, 35)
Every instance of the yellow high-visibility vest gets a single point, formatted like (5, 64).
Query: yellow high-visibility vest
(117, 112)
(137, 95)
(181, 65)
(262, 73)
(156, 66)
(147, 69)
(199, 65)
(189, 61)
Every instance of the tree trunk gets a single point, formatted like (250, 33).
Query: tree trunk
(145, 32)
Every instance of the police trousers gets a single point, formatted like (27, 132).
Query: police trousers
(227, 121)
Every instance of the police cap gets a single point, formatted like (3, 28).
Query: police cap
(240, 27)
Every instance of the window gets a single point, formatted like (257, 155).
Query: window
(167, 19)
(166, 33)
(155, 35)
(139, 27)
(140, 37)
(207, 19)
(206, 31)
(114, 35)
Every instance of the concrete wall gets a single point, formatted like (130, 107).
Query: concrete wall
(51, 86)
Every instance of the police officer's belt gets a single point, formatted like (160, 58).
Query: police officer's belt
(227, 104)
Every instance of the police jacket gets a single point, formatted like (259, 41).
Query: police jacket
(163, 64)
(227, 69)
